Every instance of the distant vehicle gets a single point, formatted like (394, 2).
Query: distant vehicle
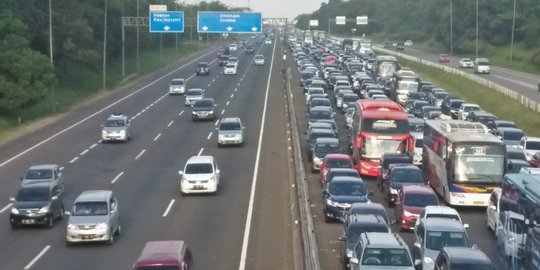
(339, 194)
(408, 43)
(481, 65)
(230, 131)
(192, 95)
(43, 173)
(510, 136)
(259, 60)
(399, 175)
(535, 160)
(444, 58)
(233, 47)
(177, 86)
(466, 63)
(230, 69)
(387, 160)
(529, 145)
(323, 148)
(347, 44)
(465, 109)
(375, 250)
(370, 208)
(165, 255)
(250, 49)
(204, 109)
(400, 46)
(233, 60)
(409, 203)
(37, 204)
(267, 41)
(440, 211)
(116, 128)
(201, 174)
(203, 68)
(223, 60)
(463, 258)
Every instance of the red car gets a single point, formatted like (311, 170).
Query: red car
(444, 58)
(535, 160)
(410, 202)
(334, 161)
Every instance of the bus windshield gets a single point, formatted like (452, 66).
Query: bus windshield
(479, 162)
(375, 148)
(380, 126)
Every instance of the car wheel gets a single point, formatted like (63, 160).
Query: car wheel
(110, 242)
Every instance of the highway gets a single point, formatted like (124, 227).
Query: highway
(247, 225)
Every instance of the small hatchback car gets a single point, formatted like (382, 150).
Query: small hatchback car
(200, 175)
(230, 131)
(116, 128)
(259, 60)
(94, 217)
(37, 204)
(229, 69)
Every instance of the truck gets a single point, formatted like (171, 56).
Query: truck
(518, 225)
(347, 44)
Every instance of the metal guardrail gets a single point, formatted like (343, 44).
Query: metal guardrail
(311, 250)
(524, 100)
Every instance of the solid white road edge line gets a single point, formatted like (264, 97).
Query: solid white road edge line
(247, 229)
(117, 177)
(6, 208)
(168, 208)
(31, 263)
(140, 154)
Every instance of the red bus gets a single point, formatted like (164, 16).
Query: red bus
(378, 127)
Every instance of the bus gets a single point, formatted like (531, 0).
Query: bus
(519, 219)
(378, 127)
(385, 66)
(462, 161)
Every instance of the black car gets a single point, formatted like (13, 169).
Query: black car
(354, 227)
(400, 174)
(400, 46)
(340, 194)
(463, 258)
(370, 208)
(223, 60)
(333, 172)
(37, 204)
(250, 49)
(386, 160)
(203, 68)
(204, 109)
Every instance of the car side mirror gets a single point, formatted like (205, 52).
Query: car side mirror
(67, 213)
(417, 245)
(180, 172)
(465, 225)
(417, 262)
(12, 199)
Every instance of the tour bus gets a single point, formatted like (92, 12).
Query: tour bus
(519, 221)
(378, 127)
(462, 161)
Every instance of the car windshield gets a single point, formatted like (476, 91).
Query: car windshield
(230, 126)
(478, 163)
(327, 148)
(199, 168)
(531, 145)
(375, 148)
(194, 93)
(320, 114)
(114, 123)
(90, 209)
(320, 102)
(347, 188)
(407, 176)
(386, 257)
(455, 104)
(33, 195)
(436, 240)
(203, 103)
(471, 108)
(39, 174)
(177, 82)
(513, 135)
(416, 127)
(471, 266)
(420, 200)
(338, 163)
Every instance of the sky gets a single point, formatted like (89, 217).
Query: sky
(274, 8)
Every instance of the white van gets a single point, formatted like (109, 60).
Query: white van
(481, 65)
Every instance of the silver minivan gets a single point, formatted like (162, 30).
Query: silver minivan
(94, 217)
(230, 131)
(481, 65)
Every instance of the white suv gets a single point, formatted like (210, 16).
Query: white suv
(529, 145)
(466, 108)
(200, 175)
(177, 86)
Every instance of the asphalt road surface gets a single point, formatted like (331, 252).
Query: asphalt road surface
(247, 225)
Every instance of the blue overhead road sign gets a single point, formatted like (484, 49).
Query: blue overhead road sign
(166, 21)
(228, 22)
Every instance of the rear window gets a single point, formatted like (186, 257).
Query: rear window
(533, 145)
(230, 126)
(421, 200)
(418, 143)
(177, 82)
(320, 114)
(513, 135)
(386, 257)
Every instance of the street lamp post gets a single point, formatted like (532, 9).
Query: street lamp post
(476, 29)
(53, 94)
(513, 25)
(104, 75)
(451, 31)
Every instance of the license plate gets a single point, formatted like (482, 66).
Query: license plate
(28, 221)
(478, 202)
(87, 237)
(198, 187)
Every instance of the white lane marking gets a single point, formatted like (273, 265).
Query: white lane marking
(209, 135)
(157, 137)
(143, 110)
(74, 159)
(116, 178)
(84, 152)
(516, 82)
(168, 208)
(223, 111)
(102, 110)
(200, 152)
(232, 95)
(100, 141)
(214, 80)
(61, 168)
(217, 121)
(181, 113)
(247, 228)
(227, 103)
(235, 89)
(92, 146)
(170, 123)
(5, 208)
(140, 154)
(33, 261)
(209, 84)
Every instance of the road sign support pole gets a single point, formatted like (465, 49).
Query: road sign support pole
(123, 52)
(104, 75)
(138, 10)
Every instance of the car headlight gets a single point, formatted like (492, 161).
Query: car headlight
(183, 179)
(101, 226)
(194, 113)
(104, 132)
(15, 211)
(43, 209)
(122, 132)
(331, 203)
(71, 227)
(317, 160)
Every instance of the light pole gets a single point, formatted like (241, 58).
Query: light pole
(353, 30)
(138, 10)
(513, 25)
(451, 31)
(476, 29)
(105, 47)
(53, 94)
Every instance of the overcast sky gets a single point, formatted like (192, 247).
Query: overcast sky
(274, 8)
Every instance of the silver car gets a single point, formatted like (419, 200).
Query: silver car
(94, 217)
(259, 60)
(177, 86)
(230, 131)
(116, 128)
(193, 95)
(43, 173)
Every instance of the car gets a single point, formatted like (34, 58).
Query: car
(233, 60)
(463, 258)
(481, 65)
(193, 95)
(200, 175)
(400, 174)
(408, 43)
(230, 131)
(203, 68)
(229, 69)
(203, 109)
(319, 113)
(492, 210)
(529, 145)
(409, 203)
(381, 250)
(339, 194)
(386, 160)
(338, 172)
(444, 58)
(177, 86)
(511, 232)
(349, 116)
(43, 173)
(418, 147)
(116, 128)
(440, 211)
(370, 208)
(481, 117)
(515, 153)
(312, 137)
(510, 136)
(223, 60)
(529, 170)
(314, 91)
(334, 161)
(306, 75)
(515, 165)
(267, 41)
(432, 234)
(417, 107)
(501, 124)
(94, 217)
(250, 49)
(233, 47)
(349, 101)
(321, 125)
(450, 106)
(37, 204)
(465, 109)
(163, 255)
(466, 63)
(323, 148)
(400, 46)
(354, 226)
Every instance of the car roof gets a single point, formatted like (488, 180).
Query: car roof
(443, 224)
(322, 130)
(379, 239)
(365, 219)
(534, 139)
(470, 105)
(178, 80)
(466, 255)
(94, 195)
(205, 99)
(38, 185)
(337, 156)
(440, 209)
(408, 166)
(343, 178)
(417, 189)
(200, 159)
(509, 129)
(43, 167)
(341, 170)
(161, 252)
(230, 120)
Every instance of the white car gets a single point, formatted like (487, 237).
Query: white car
(233, 47)
(529, 145)
(193, 95)
(177, 86)
(440, 211)
(233, 60)
(229, 69)
(466, 63)
(418, 147)
(200, 175)
(408, 43)
(492, 210)
(258, 60)
(465, 108)
(267, 41)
